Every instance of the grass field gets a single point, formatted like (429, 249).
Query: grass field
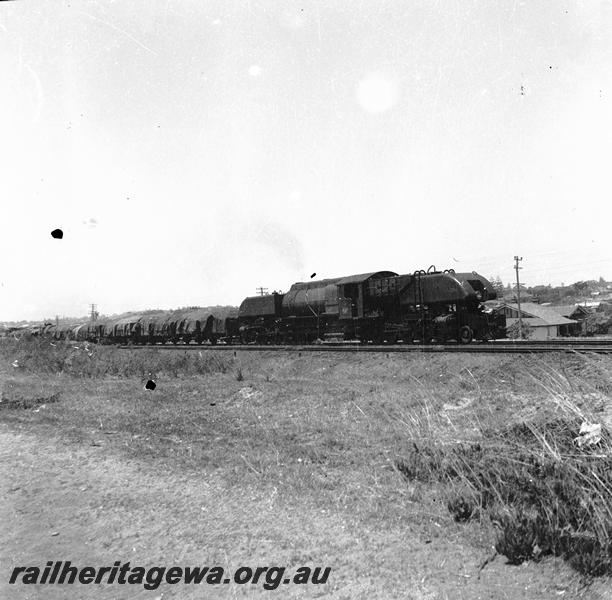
(401, 472)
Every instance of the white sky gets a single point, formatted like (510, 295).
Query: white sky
(192, 151)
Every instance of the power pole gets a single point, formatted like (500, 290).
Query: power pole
(262, 291)
(518, 295)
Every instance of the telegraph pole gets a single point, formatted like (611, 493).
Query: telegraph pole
(518, 294)
(262, 291)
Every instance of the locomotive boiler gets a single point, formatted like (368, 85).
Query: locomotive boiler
(376, 307)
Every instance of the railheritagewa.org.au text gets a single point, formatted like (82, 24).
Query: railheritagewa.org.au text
(60, 572)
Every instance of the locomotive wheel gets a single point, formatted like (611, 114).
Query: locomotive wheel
(465, 335)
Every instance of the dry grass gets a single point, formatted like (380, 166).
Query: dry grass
(544, 493)
(332, 434)
(81, 359)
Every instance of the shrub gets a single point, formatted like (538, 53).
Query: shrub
(545, 495)
(514, 331)
(462, 506)
(80, 359)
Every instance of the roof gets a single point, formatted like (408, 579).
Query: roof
(365, 276)
(318, 283)
(547, 314)
(567, 310)
(534, 322)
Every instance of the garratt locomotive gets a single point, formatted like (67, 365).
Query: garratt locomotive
(374, 307)
(380, 307)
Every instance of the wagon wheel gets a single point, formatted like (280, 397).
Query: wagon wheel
(465, 334)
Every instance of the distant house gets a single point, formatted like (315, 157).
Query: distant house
(591, 305)
(602, 305)
(575, 312)
(547, 323)
(605, 306)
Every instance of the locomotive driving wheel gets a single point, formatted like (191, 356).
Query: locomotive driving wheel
(466, 335)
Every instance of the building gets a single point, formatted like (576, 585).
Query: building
(605, 306)
(546, 322)
(575, 312)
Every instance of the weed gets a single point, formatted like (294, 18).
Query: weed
(545, 495)
(518, 539)
(461, 505)
(80, 359)
(17, 400)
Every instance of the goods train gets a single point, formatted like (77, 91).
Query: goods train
(379, 307)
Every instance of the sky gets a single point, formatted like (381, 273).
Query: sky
(193, 151)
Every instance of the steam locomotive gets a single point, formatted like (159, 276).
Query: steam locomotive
(379, 307)
(375, 307)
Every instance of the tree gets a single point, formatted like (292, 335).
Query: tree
(512, 331)
(597, 323)
(580, 286)
(498, 285)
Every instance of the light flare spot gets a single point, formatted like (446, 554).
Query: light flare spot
(254, 70)
(377, 93)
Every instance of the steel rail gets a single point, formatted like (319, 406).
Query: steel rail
(484, 348)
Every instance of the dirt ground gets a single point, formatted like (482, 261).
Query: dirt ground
(87, 499)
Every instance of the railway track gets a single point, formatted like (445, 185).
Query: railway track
(503, 347)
